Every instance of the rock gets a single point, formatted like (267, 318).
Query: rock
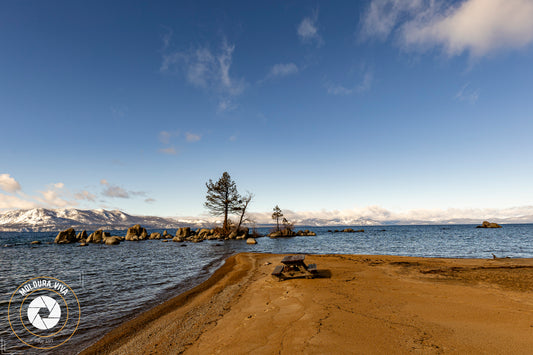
(107, 234)
(96, 237)
(275, 234)
(82, 235)
(165, 240)
(184, 232)
(83, 244)
(251, 241)
(487, 224)
(112, 240)
(66, 236)
(144, 235)
(136, 233)
(178, 239)
(165, 234)
(155, 235)
(232, 235)
(35, 242)
(203, 232)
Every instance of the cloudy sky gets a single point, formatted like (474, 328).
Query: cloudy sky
(354, 106)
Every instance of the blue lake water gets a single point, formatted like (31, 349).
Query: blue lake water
(115, 283)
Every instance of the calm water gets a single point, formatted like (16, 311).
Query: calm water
(115, 283)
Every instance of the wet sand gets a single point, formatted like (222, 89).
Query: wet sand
(357, 304)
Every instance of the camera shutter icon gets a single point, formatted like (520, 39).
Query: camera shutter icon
(48, 304)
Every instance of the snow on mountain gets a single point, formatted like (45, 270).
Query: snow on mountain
(41, 219)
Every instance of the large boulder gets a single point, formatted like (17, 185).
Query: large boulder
(275, 234)
(184, 232)
(136, 233)
(96, 237)
(487, 224)
(112, 240)
(202, 233)
(155, 235)
(66, 236)
(81, 235)
(251, 241)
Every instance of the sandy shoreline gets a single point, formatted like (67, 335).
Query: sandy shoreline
(359, 304)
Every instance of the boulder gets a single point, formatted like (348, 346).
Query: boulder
(203, 232)
(96, 237)
(184, 232)
(487, 224)
(165, 234)
(232, 235)
(81, 235)
(83, 244)
(35, 242)
(178, 239)
(155, 235)
(165, 240)
(136, 233)
(251, 241)
(112, 240)
(275, 234)
(66, 236)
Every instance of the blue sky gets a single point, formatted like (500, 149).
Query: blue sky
(315, 106)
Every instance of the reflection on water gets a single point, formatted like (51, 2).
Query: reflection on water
(114, 283)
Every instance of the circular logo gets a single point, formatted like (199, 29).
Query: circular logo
(44, 312)
(54, 312)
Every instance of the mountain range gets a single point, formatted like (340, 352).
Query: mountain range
(42, 219)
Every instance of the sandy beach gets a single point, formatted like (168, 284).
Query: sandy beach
(357, 304)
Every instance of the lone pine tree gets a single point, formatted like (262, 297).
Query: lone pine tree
(222, 198)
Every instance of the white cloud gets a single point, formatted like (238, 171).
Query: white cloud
(365, 84)
(466, 93)
(149, 200)
(8, 184)
(104, 182)
(85, 195)
(205, 69)
(115, 191)
(9, 202)
(308, 30)
(377, 215)
(280, 70)
(54, 196)
(478, 27)
(225, 105)
(168, 150)
(191, 137)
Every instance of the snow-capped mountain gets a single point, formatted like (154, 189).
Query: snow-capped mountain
(42, 219)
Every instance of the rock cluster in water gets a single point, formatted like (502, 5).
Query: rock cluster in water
(138, 233)
(290, 233)
(347, 230)
(487, 224)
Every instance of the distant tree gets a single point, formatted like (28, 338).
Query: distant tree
(244, 201)
(286, 224)
(277, 215)
(222, 198)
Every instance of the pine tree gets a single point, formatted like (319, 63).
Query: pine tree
(277, 215)
(222, 198)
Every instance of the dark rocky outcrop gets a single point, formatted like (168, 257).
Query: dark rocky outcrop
(66, 236)
(487, 224)
(136, 233)
(184, 232)
(155, 235)
(96, 237)
(347, 230)
(112, 240)
(82, 235)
